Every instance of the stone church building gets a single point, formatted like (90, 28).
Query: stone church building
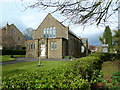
(54, 40)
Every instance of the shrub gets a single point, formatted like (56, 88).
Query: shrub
(68, 57)
(112, 84)
(86, 66)
(116, 77)
(106, 56)
(45, 79)
(13, 52)
(77, 74)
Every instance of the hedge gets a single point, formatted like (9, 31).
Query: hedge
(77, 74)
(13, 52)
(107, 56)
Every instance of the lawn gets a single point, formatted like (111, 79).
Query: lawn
(18, 56)
(6, 58)
(19, 68)
(110, 67)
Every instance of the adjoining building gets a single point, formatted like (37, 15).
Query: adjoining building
(54, 40)
(85, 42)
(11, 37)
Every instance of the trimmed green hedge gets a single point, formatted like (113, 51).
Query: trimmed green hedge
(107, 56)
(13, 52)
(77, 74)
(68, 57)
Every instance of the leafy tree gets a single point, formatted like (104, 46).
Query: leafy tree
(101, 39)
(107, 37)
(116, 40)
(80, 11)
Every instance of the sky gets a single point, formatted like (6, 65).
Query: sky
(13, 13)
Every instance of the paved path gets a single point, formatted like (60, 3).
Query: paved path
(18, 60)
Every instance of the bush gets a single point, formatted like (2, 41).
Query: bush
(110, 56)
(68, 57)
(107, 56)
(13, 52)
(45, 79)
(112, 84)
(86, 66)
(77, 74)
(116, 77)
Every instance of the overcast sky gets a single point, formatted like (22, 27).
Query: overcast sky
(13, 13)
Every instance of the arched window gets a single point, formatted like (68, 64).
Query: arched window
(82, 49)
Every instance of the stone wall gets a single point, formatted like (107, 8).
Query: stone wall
(64, 47)
(36, 52)
(48, 22)
(32, 53)
(67, 43)
(12, 38)
(55, 53)
(74, 46)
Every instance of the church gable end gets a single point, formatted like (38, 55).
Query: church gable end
(50, 23)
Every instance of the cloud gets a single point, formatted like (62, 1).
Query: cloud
(91, 32)
(32, 19)
(12, 12)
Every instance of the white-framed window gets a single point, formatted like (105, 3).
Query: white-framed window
(53, 46)
(44, 32)
(49, 32)
(31, 46)
(54, 32)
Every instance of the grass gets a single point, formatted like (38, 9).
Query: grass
(110, 67)
(6, 58)
(18, 56)
(19, 68)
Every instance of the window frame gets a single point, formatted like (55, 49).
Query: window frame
(31, 46)
(54, 32)
(53, 45)
(49, 32)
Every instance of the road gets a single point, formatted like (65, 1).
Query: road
(19, 60)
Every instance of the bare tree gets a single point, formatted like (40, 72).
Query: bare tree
(28, 33)
(80, 11)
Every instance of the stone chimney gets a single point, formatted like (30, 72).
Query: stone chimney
(7, 26)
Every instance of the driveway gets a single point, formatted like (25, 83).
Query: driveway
(18, 60)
